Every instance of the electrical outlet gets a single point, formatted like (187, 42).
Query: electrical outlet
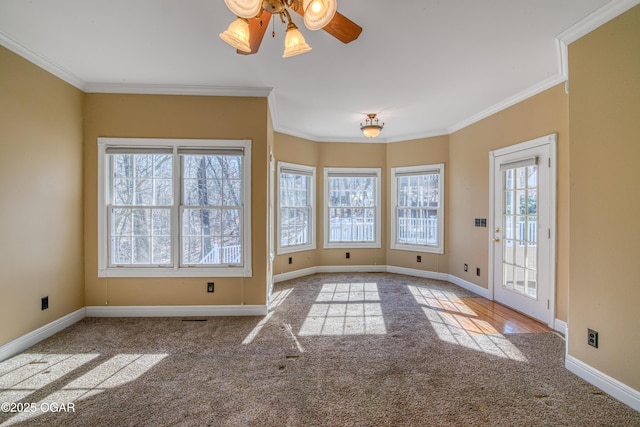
(347, 255)
(592, 338)
(477, 271)
(290, 260)
(210, 287)
(419, 258)
(45, 303)
(466, 267)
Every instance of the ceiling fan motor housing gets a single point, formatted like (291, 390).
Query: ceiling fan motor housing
(273, 6)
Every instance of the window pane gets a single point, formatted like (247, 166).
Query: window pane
(141, 222)
(211, 236)
(121, 250)
(418, 200)
(161, 247)
(295, 209)
(122, 191)
(140, 236)
(141, 250)
(232, 167)
(232, 193)
(141, 180)
(163, 192)
(230, 222)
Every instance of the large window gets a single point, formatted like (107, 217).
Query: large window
(296, 208)
(352, 208)
(417, 215)
(174, 208)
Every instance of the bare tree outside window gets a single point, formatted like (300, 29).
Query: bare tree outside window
(212, 189)
(142, 195)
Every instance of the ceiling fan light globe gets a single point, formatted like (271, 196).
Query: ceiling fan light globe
(237, 35)
(244, 8)
(294, 43)
(318, 13)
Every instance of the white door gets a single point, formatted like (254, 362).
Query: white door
(523, 221)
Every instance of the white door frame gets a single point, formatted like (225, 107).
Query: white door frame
(270, 232)
(550, 140)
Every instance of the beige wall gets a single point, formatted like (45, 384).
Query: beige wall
(155, 116)
(604, 73)
(41, 192)
(417, 152)
(543, 114)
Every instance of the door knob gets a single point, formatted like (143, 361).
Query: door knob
(496, 239)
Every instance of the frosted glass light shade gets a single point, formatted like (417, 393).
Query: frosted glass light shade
(318, 13)
(244, 8)
(294, 43)
(237, 35)
(371, 131)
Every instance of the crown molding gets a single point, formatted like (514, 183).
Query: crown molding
(596, 19)
(421, 135)
(502, 105)
(156, 89)
(40, 60)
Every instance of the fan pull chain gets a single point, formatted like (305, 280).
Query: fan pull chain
(273, 28)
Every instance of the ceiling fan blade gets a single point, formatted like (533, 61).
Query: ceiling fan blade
(257, 28)
(341, 27)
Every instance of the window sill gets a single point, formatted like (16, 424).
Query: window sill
(292, 249)
(418, 248)
(352, 245)
(175, 272)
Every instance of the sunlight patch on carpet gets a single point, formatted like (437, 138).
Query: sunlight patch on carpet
(456, 323)
(345, 309)
(36, 371)
(277, 298)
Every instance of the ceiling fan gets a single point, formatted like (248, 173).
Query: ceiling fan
(246, 32)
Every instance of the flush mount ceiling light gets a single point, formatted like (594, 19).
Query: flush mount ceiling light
(246, 33)
(371, 126)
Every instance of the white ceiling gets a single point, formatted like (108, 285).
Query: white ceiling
(427, 67)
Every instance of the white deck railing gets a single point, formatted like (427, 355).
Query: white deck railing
(223, 255)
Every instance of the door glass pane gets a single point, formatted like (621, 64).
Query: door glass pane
(520, 225)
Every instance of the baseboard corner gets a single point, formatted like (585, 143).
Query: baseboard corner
(30, 339)
(478, 290)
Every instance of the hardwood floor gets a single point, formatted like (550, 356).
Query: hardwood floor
(502, 319)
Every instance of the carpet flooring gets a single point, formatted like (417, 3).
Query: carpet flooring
(373, 349)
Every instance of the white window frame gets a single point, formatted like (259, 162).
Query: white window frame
(355, 172)
(417, 170)
(174, 270)
(307, 171)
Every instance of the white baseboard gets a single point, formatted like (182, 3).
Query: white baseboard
(418, 273)
(611, 386)
(479, 290)
(32, 338)
(560, 326)
(176, 310)
(351, 269)
(294, 274)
